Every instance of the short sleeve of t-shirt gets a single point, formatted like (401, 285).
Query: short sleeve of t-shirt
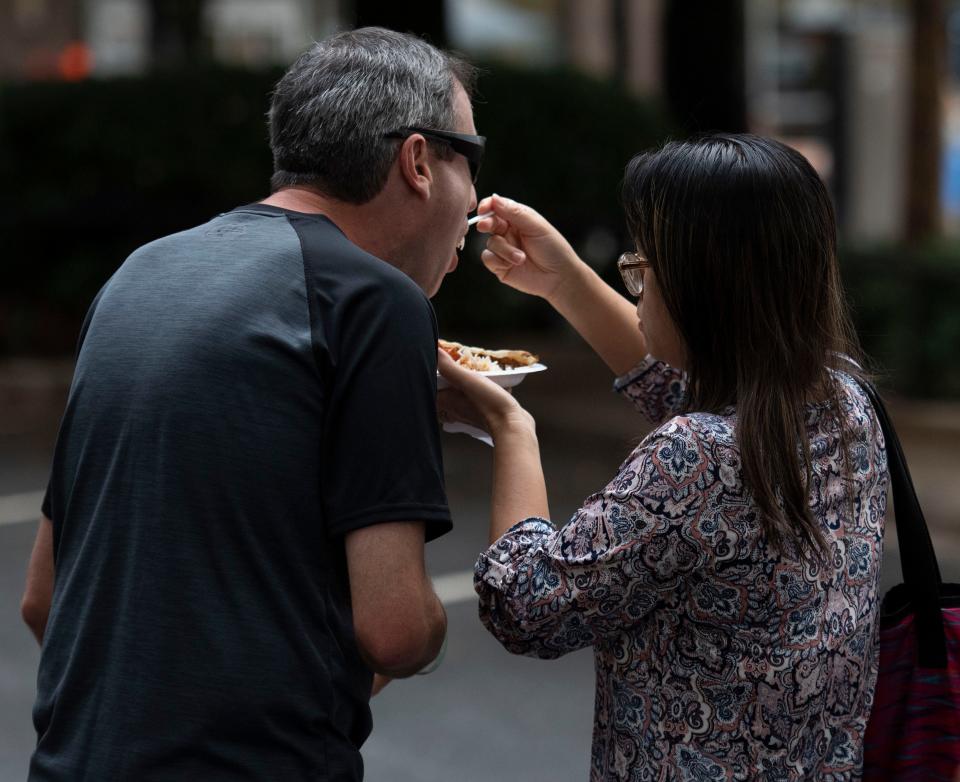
(46, 507)
(375, 339)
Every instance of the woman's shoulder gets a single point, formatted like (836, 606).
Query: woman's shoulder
(685, 447)
(855, 408)
(704, 430)
(671, 482)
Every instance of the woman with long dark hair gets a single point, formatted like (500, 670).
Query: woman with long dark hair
(727, 576)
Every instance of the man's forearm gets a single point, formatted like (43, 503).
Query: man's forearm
(36, 620)
(418, 649)
(604, 318)
(398, 620)
(436, 632)
(38, 592)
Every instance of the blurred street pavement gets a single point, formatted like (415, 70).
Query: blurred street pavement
(483, 709)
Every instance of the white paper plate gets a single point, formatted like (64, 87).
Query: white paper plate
(502, 377)
(479, 434)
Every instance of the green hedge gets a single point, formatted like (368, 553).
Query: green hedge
(96, 169)
(906, 305)
(93, 170)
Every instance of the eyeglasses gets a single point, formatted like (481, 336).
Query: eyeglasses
(471, 147)
(631, 268)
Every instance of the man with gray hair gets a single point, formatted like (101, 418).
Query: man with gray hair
(249, 463)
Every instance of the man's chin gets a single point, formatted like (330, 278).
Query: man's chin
(431, 292)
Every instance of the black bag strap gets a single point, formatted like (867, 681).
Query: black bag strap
(918, 560)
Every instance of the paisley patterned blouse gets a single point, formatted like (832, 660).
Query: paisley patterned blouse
(716, 657)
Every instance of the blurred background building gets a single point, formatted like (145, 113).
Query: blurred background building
(868, 90)
(830, 76)
(123, 120)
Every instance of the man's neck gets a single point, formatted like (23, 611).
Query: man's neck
(300, 199)
(358, 222)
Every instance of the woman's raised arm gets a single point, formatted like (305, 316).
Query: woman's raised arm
(527, 253)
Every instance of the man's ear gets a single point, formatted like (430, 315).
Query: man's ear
(414, 161)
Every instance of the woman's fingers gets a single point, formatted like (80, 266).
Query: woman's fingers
(510, 214)
(473, 398)
(521, 217)
(506, 250)
(493, 225)
(471, 383)
(480, 390)
(495, 264)
(450, 369)
(454, 406)
(485, 205)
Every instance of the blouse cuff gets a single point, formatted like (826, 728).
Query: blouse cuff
(655, 388)
(496, 567)
(645, 365)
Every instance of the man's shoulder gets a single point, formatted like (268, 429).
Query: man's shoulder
(335, 264)
(240, 232)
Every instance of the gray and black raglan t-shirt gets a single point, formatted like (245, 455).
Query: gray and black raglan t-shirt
(246, 393)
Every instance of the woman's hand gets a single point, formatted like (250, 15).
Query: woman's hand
(524, 250)
(476, 400)
(529, 254)
(518, 488)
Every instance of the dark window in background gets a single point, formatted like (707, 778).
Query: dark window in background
(953, 42)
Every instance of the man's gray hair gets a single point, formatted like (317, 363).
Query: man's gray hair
(331, 109)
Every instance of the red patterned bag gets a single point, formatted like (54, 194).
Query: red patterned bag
(914, 727)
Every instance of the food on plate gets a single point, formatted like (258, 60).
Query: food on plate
(483, 360)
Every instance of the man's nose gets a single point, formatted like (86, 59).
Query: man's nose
(473, 199)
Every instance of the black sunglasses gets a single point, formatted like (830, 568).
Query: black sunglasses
(471, 147)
